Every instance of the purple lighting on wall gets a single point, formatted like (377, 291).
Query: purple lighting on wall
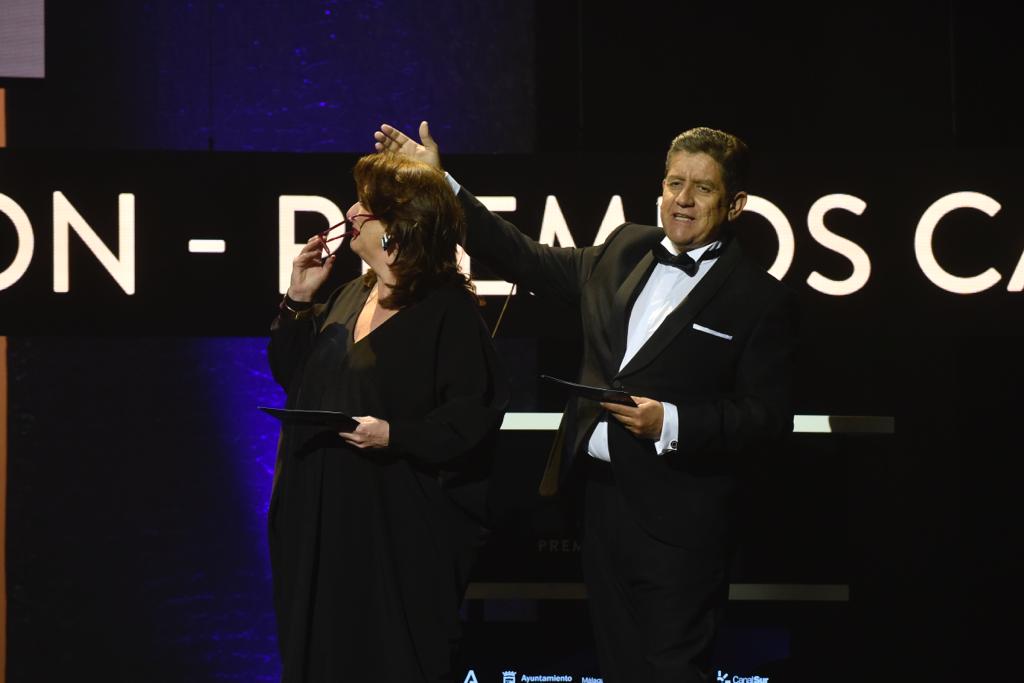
(238, 380)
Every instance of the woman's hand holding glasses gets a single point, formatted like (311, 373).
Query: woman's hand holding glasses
(309, 271)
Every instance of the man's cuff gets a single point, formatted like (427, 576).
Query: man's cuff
(669, 429)
(452, 182)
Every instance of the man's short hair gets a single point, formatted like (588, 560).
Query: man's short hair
(729, 151)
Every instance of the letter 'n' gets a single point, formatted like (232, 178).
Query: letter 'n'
(121, 268)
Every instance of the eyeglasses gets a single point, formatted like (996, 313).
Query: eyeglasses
(350, 231)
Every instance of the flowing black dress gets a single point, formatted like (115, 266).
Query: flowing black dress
(371, 549)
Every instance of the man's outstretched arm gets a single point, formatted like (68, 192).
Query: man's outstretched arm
(555, 272)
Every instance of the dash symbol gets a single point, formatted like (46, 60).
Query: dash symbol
(207, 246)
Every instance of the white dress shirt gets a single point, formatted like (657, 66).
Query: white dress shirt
(664, 291)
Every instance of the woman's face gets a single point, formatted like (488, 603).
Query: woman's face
(366, 244)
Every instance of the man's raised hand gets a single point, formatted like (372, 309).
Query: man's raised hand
(390, 139)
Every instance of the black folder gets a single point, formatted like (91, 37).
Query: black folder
(316, 418)
(594, 393)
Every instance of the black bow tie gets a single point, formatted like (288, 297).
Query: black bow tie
(684, 261)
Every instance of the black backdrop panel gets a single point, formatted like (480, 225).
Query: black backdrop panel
(177, 197)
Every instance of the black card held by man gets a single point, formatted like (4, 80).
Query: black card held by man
(594, 393)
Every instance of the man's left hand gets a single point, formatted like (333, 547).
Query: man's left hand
(390, 139)
(644, 421)
(371, 433)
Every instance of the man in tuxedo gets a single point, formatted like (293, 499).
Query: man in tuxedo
(702, 339)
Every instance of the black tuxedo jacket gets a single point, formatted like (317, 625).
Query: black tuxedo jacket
(733, 395)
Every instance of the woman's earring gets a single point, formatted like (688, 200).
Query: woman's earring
(385, 242)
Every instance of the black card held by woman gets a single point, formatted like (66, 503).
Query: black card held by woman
(316, 418)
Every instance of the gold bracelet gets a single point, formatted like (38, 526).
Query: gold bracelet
(292, 312)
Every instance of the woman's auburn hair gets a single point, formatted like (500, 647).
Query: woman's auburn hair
(423, 219)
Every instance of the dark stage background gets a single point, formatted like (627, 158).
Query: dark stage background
(139, 469)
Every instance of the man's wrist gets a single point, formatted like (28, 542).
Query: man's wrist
(669, 438)
(452, 182)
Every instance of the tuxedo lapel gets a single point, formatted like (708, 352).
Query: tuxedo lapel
(585, 412)
(679, 319)
(622, 302)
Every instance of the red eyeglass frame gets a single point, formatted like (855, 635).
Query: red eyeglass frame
(352, 230)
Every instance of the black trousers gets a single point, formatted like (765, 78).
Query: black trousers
(655, 607)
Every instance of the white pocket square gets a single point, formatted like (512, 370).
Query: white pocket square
(708, 330)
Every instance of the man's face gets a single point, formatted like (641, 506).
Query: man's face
(694, 203)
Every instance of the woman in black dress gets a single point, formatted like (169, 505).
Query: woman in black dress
(372, 532)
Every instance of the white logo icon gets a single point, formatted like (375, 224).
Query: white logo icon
(724, 678)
